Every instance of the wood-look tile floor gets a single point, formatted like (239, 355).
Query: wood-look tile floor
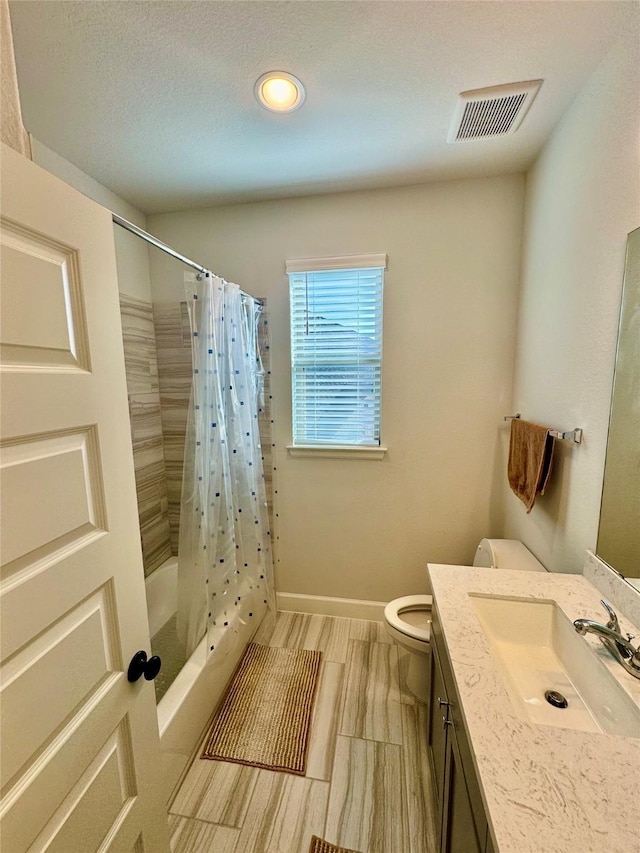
(367, 785)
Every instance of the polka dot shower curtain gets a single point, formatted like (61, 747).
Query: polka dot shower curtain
(225, 573)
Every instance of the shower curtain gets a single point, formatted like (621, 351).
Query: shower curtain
(225, 572)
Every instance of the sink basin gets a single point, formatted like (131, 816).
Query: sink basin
(537, 650)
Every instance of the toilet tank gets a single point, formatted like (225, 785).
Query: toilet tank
(506, 554)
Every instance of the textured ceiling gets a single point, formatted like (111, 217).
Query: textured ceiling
(155, 99)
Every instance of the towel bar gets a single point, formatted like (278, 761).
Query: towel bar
(574, 435)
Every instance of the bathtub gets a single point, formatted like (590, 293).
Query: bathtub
(161, 588)
(188, 704)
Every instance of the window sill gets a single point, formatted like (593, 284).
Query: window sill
(336, 451)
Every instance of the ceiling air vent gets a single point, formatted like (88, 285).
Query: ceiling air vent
(494, 111)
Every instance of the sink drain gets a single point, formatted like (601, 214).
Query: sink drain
(556, 699)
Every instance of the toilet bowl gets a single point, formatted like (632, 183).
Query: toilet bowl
(408, 619)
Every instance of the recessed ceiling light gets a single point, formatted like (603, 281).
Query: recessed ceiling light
(279, 92)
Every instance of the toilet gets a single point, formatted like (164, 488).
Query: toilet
(408, 619)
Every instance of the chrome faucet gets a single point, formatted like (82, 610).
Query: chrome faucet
(612, 639)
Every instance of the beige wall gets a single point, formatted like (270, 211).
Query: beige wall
(365, 529)
(132, 253)
(582, 198)
(12, 132)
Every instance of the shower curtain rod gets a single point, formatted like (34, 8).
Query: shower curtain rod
(139, 232)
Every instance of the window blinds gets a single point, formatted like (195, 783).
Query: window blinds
(336, 351)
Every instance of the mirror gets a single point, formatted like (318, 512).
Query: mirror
(619, 531)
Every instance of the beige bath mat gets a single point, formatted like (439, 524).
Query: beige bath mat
(265, 717)
(320, 846)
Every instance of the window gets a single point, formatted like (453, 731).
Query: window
(336, 350)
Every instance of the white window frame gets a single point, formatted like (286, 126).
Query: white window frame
(342, 262)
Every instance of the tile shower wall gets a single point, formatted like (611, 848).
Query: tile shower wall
(146, 430)
(175, 372)
(173, 347)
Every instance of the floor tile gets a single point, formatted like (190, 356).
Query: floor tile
(284, 812)
(366, 804)
(327, 634)
(370, 706)
(367, 785)
(196, 836)
(324, 725)
(421, 819)
(290, 630)
(216, 791)
(372, 632)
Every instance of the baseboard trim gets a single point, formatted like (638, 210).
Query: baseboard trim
(351, 608)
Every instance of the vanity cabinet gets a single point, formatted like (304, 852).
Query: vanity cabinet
(438, 724)
(462, 823)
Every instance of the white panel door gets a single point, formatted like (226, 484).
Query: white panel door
(80, 752)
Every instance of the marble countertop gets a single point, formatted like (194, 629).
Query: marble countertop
(544, 788)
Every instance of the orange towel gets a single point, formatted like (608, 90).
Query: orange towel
(530, 460)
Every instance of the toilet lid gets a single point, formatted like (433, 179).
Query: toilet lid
(411, 615)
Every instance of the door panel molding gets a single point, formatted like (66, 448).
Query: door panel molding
(45, 325)
(82, 762)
